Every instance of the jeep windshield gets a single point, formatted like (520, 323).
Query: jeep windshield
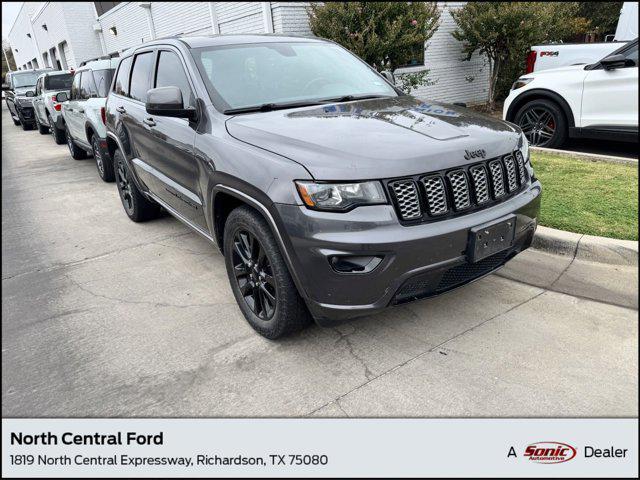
(269, 76)
(27, 79)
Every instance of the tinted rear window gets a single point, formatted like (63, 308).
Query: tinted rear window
(58, 82)
(121, 86)
(103, 81)
(140, 76)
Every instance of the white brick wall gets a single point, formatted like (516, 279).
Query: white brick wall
(290, 18)
(131, 24)
(456, 80)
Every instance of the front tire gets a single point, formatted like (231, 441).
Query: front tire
(137, 207)
(543, 123)
(76, 152)
(259, 277)
(103, 162)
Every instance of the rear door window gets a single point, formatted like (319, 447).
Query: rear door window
(75, 86)
(140, 76)
(88, 86)
(121, 86)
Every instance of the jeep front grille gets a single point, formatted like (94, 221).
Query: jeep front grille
(406, 196)
(434, 195)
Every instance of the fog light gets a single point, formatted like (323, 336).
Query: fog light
(353, 263)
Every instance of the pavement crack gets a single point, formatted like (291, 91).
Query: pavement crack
(422, 354)
(573, 258)
(142, 302)
(344, 338)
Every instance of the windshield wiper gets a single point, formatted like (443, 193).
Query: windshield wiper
(349, 98)
(268, 107)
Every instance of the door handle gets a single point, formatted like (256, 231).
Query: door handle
(149, 121)
(121, 109)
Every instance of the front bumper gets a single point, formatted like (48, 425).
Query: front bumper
(26, 113)
(416, 261)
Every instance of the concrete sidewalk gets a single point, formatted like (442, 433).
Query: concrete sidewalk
(105, 317)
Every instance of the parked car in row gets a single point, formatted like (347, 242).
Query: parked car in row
(47, 110)
(19, 90)
(599, 100)
(330, 193)
(543, 57)
(83, 114)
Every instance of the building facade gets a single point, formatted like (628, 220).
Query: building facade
(84, 30)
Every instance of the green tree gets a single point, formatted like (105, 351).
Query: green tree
(504, 31)
(9, 55)
(386, 35)
(602, 16)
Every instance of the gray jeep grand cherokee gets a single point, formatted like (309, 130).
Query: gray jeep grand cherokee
(330, 193)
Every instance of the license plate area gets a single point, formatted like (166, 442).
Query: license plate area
(490, 238)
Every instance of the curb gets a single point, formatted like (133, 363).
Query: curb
(591, 157)
(586, 247)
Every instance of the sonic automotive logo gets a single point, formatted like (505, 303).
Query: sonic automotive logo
(549, 452)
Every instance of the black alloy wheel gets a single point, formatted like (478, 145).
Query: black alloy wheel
(124, 188)
(254, 275)
(538, 125)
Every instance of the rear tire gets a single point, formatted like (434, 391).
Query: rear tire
(137, 207)
(259, 277)
(58, 135)
(103, 162)
(76, 152)
(41, 128)
(543, 123)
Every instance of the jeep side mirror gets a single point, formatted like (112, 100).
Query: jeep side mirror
(616, 61)
(30, 93)
(62, 97)
(389, 76)
(167, 102)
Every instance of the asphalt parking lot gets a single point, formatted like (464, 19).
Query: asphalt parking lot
(104, 317)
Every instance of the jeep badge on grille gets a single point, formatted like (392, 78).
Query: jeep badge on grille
(480, 153)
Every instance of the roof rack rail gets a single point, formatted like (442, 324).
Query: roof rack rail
(103, 57)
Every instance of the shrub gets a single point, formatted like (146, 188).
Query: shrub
(386, 35)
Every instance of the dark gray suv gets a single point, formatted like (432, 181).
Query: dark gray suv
(330, 192)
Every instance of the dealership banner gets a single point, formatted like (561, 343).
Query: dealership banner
(319, 447)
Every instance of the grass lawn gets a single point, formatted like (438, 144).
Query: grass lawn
(595, 198)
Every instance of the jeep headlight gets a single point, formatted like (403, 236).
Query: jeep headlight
(523, 146)
(340, 196)
(521, 82)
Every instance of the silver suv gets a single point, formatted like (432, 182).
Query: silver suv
(84, 114)
(47, 110)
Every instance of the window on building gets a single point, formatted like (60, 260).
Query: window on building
(121, 86)
(140, 76)
(104, 7)
(88, 86)
(75, 86)
(170, 73)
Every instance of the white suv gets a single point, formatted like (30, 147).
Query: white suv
(84, 112)
(592, 101)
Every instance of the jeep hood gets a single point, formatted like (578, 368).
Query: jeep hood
(378, 138)
(22, 91)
